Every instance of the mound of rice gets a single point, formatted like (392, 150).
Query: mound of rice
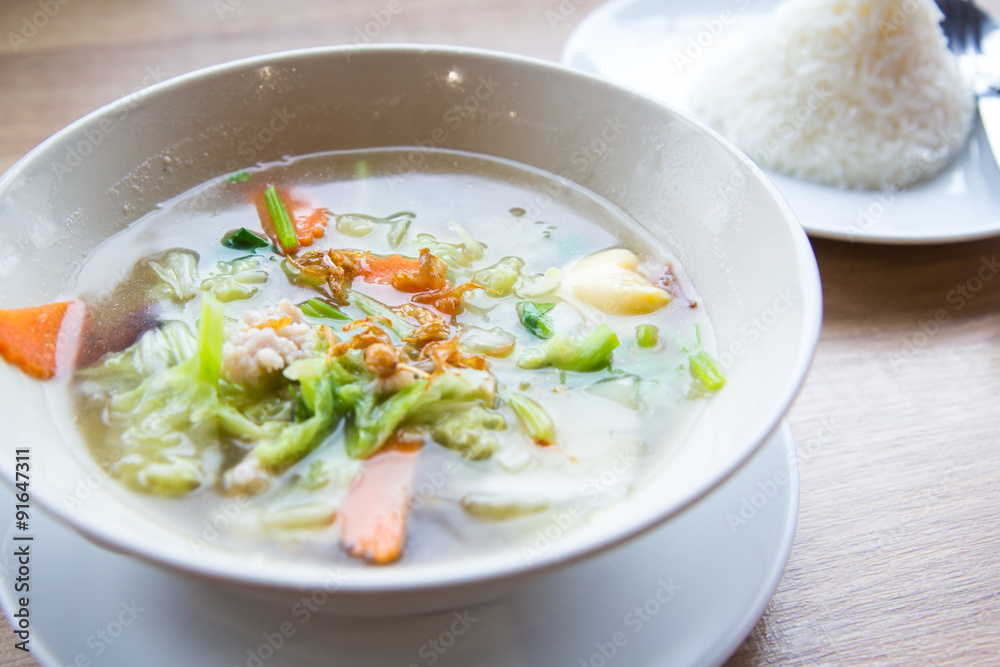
(851, 93)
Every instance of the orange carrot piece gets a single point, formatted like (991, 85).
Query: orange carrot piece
(310, 224)
(373, 515)
(382, 270)
(28, 337)
(309, 220)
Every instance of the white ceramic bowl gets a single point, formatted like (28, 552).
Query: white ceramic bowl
(705, 201)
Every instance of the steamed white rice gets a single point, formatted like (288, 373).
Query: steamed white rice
(852, 93)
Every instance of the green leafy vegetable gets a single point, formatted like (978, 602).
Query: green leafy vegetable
(562, 351)
(424, 401)
(154, 351)
(454, 255)
(376, 424)
(178, 269)
(210, 339)
(319, 381)
(297, 276)
(355, 225)
(473, 248)
(244, 239)
(533, 417)
(319, 308)
(305, 516)
(399, 224)
(283, 226)
(493, 342)
(540, 284)
(533, 317)
(501, 278)
(162, 425)
(358, 224)
(466, 428)
(500, 507)
(236, 280)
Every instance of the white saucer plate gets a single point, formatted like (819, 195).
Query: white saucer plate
(656, 46)
(687, 593)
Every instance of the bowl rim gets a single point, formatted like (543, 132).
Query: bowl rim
(223, 565)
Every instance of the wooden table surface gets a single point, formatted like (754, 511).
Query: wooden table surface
(897, 556)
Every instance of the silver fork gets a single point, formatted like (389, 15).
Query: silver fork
(968, 28)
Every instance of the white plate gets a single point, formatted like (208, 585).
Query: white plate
(688, 593)
(644, 44)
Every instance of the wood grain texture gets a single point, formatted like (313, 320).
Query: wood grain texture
(897, 556)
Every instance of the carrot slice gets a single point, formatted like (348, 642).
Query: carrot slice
(308, 219)
(373, 515)
(310, 223)
(28, 337)
(382, 270)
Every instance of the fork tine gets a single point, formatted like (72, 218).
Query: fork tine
(964, 15)
(950, 24)
(977, 20)
(966, 25)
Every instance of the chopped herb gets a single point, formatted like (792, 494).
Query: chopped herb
(705, 371)
(244, 239)
(702, 366)
(318, 308)
(533, 317)
(647, 334)
(283, 226)
(239, 177)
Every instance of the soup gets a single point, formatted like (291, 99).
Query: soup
(344, 357)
